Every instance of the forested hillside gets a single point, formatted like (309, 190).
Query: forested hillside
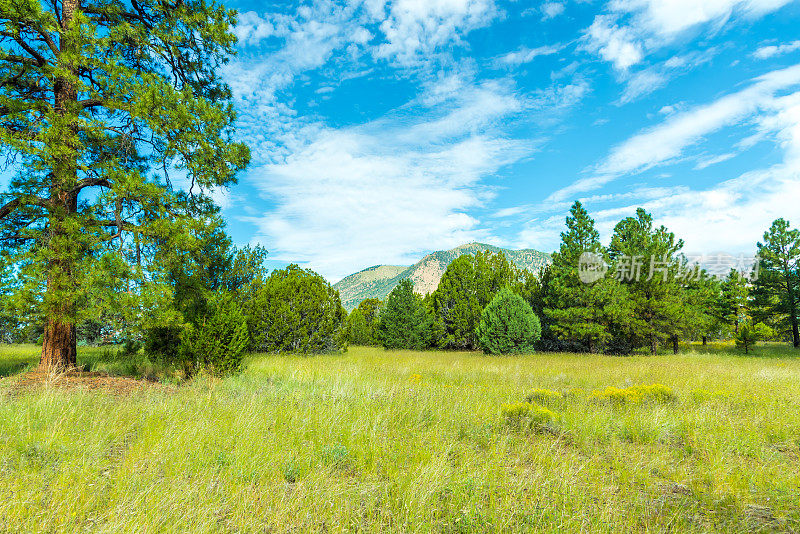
(378, 281)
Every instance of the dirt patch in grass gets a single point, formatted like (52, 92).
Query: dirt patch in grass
(76, 380)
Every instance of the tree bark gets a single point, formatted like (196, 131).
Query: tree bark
(653, 345)
(59, 347)
(705, 341)
(675, 344)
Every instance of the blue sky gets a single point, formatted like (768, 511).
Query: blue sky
(382, 130)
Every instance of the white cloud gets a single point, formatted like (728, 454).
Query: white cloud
(350, 199)
(614, 43)
(668, 141)
(667, 19)
(730, 217)
(392, 188)
(551, 10)
(654, 77)
(633, 28)
(706, 162)
(766, 52)
(526, 55)
(415, 29)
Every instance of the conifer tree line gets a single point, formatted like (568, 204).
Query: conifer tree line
(120, 128)
(649, 296)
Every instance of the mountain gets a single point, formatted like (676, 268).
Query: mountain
(378, 281)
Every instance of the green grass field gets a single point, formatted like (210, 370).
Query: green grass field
(378, 441)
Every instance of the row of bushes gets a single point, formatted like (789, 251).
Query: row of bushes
(291, 310)
(507, 325)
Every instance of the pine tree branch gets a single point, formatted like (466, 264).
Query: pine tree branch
(40, 59)
(22, 201)
(90, 182)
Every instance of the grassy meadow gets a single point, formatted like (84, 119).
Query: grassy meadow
(379, 441)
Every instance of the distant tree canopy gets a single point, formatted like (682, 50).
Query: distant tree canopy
(296, 310)
(467, 286)
(405, 321)
(508, 325)
(99, 100)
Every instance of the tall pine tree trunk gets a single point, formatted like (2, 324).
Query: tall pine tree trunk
(59, 347)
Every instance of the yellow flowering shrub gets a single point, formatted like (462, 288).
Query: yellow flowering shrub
(635, 394)
(526, 415)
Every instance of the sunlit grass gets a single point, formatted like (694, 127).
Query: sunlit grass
(383, 441)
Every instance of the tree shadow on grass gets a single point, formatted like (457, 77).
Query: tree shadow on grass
(770, 350)
(10, 367)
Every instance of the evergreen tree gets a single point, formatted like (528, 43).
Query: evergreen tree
(777, 288)
(296, 310)
(362, 323)
(508, 325)
(98, 99)
(468, 284)
(732, 306)
(580, 313)
(218, 340)
(644, 260)
(405, 322)
(749, 333)
(700, 297)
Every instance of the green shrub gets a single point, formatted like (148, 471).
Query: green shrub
(635, 394)
(508, 325)
(217, 343)
(749, 333)
(296, 310)
(163, 343)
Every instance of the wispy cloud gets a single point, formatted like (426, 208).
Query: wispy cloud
(631, 30)
(526, 55)
(668, 141)
(706, 162)
(766, 52)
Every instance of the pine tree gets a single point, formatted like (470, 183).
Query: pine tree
(732, 306)
(98, 100)
(508, 325)
(577, 312)
(777, 288)
(700, 297)
(644, 259)
(405, 322)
